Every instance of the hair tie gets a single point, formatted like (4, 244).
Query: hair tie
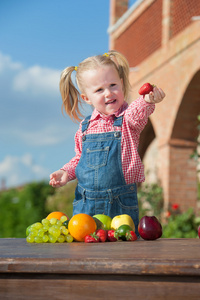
(75, 68)
(106, 54)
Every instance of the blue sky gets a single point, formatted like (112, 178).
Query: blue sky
(38, 39)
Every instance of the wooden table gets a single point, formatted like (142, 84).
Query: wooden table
(161, 269)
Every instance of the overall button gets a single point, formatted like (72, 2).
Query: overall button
(117, 134)
(132, 188)
(83, 138)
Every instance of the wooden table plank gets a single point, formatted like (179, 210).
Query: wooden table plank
(166, 269)
(160, 257)
(86, 287)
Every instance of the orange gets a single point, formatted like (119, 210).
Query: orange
(56, 215)
(81, 225)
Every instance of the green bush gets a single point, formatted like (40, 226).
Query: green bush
(23, 207)
(183, 225)
(62, 199)
(150, 199)
(196, 154)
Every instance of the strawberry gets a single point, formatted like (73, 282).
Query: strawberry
(92, 238)
(112, 236)
(146, 89)
(102, 234)
(131, 236)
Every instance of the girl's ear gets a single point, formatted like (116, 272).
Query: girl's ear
(85, 98)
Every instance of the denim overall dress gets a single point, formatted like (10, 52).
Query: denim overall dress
(101, 187)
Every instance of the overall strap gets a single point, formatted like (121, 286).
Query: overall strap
(118, 121)
(85, 123)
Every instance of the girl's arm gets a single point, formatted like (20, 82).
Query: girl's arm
(139, 110)
(67, 172)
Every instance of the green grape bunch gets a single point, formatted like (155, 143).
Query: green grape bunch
(49, 231)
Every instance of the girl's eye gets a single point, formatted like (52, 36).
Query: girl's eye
(99, 90)
(113, 84)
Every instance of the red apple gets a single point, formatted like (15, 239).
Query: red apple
(199, 231)
(150, 228)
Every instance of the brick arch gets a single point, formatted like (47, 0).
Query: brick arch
(147, 136)
(185, 125)
(182, 168)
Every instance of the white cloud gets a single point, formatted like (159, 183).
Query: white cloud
(27, 160)
(37, 80)
(6, 63)
(17, 170)
(46, 136)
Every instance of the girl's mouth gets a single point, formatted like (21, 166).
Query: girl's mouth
(110, 101)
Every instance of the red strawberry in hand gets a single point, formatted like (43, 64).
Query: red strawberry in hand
(146, 89)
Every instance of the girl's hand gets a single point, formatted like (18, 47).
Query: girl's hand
(58, 178)
(156, 96)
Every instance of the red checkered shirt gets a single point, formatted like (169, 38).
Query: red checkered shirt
(134, 120)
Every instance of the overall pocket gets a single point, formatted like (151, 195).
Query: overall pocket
(127, 202)
(97, 158)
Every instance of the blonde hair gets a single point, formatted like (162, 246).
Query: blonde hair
(70, 94)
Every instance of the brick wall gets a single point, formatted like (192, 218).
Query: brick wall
(182, 178)
(182, 12)
(143, 36)
(160, 38)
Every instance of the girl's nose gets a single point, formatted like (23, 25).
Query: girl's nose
(107, 92)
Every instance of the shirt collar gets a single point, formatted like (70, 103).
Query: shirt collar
(97, 115)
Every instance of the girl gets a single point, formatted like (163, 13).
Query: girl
(107, 164)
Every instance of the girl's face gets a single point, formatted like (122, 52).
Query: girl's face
(103, 89)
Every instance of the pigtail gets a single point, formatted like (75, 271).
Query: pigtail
(70, 95)
(123, 69)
